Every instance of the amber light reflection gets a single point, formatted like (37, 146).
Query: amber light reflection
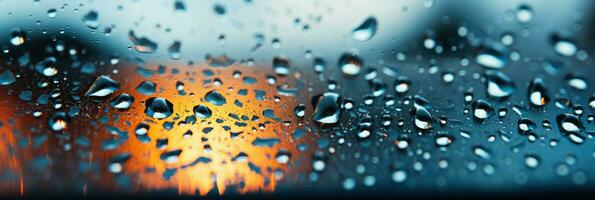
(207, 159)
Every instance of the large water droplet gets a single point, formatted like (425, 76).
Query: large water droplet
(122, 101)
(492, 57)
(281, 65)
(524, 14)
(482, 110)
(571, 126)
(564, 46)
(91, 19)
(498, 85)
(215, 98)
(58, 121)
(350, 64)
(47, 67)
(17, 37)
(421, 116)
(158, 108)
(7, 77)
(102, 87)
(576, 82)
(366, 30)
(174, 50)
(142, 45)
(327, 108)
(202, 111)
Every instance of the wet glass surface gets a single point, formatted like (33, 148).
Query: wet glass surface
(297, 99)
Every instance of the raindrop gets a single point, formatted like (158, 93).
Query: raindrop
(350, 64)
(402, 85)
(122, 101)
(146, 88)
(174, 50)
(158, 108)
(498, 85)
(215, 98)
(281, 65)
(202, 112)
(564, 46)
(103, 86)
(52, 12)
(492, 57)
(482, 110)
(537, 93)
(526, 125)
(7, 77)
(47, 67)
(327, 108)
(366, 30)
(421, 116)
(58, 121)
(571, 125)
(17, 37)
(576, 82)
(300, 110)
(142, 45)
(91, 19)
(524, 14)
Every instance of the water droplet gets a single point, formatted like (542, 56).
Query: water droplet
(215, 98)
(202, 112)
(532, 161)
(443, 140)
(365, 30)
(319, 65)
(52, 12)
(399, 176)
(300, 110)
(142, 45)
(498, 85)
(492, 57)
(281, 65)
(571, 125)
(378, 87)
(526, 125)
(7, 77)
(174, 50)
(482, 110)
(158, 108)
(47, 67)
(537, 93)
(327, 108)
(17, 37)
(524, 14)
(58, 121)
(103, 86)
(421, 116)
(576, 82)
(91, 19)
(564, 46)
(146, 88)
(122, 101)
(481, 152)
(402, 85)
(350, 64)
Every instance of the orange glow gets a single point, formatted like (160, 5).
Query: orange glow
(145, 166)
